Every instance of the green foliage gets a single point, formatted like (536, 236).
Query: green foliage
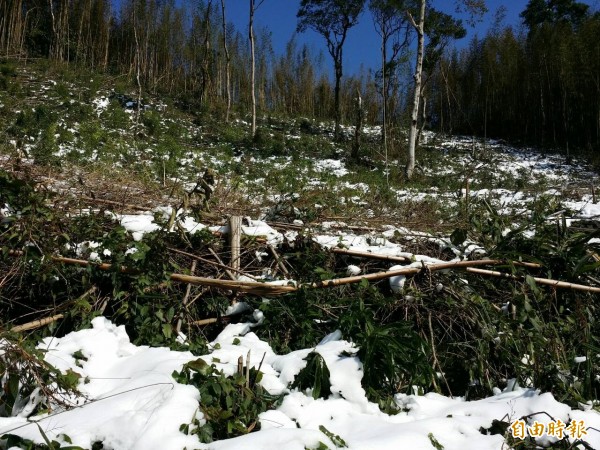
(169, 152)
(141, 297)
(115, 117)
(538, 12)
(314, 376)
(29, 382)
(296, 321)
(44, 151)
(7, 74)
(393, 355)
(14, 441)
(337, 440)
(151, 120)
(230, 405)
(434, 442)
(92, 137)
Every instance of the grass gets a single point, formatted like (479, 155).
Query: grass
(173, 146)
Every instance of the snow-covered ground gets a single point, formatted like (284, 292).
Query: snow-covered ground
(130, 401)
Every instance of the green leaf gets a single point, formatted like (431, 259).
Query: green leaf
(167, 330)
(337, 440)
(200, 366)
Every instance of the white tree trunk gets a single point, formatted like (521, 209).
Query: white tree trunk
(412, 135)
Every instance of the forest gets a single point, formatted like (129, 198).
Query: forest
(536, 84)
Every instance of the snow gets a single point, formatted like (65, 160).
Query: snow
(130, 401)
(333, 166)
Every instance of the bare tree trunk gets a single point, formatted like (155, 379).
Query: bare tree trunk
(338, 114)
(385, 101)
(53, 42)
(423, 119)
(252, 68)
(412, 135)
(359, 125)
(137, 74)
(206, 61)
(227, 63)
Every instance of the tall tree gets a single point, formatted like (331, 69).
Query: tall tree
(389, 24)
(331, 19)
(441, 29)
(227, 61)
(475, 8)
(414, 115)
(253, 7)
(538, 12)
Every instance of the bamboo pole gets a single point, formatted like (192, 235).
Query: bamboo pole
(469, 263)
(257, 288)
(370, 277)
(544, 281)
(343, 251)
(36, 323)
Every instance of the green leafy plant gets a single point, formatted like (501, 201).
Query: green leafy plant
(314, 376)
(230, 405)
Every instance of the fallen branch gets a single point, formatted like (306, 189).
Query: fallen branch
(36, 323)
(544, 281)
(219, 264)
(258, 288)
(481, 262)
(114, 203)
(343, 251)
(370, 277)
(279, 261)
(204, 322)
(228, 269)
(439, 266)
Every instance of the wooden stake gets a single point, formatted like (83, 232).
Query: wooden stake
(248, 370)
(240, 365)
(235, 233)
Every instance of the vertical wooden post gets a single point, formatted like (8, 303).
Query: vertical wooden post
(235, 233)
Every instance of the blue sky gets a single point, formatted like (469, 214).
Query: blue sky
(362, 46)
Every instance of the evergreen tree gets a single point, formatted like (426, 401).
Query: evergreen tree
(331, 19)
